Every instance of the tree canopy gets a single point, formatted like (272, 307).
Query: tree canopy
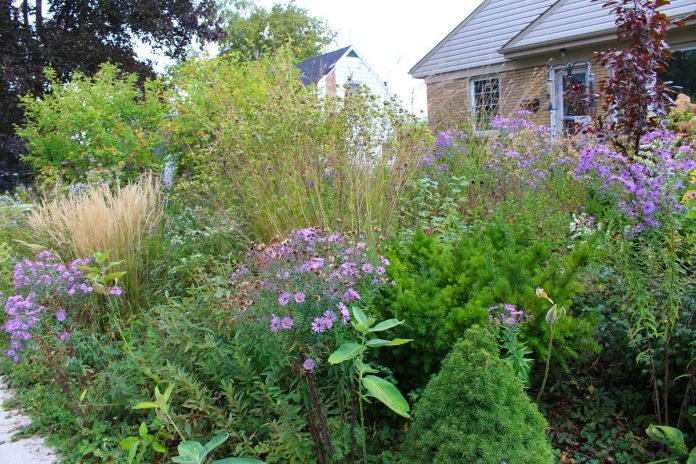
(251, 30)
(80, 35)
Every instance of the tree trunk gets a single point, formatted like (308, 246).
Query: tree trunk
(25, 13)
(39, 16)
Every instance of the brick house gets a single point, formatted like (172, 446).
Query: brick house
(513, 54)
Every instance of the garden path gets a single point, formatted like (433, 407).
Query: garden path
(25, 451)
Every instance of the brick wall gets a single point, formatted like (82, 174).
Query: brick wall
(525, 88)
(448, 101)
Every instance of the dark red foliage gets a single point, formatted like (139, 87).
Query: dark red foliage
(634, 97)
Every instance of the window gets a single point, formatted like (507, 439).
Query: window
(681, 71)
(485, 100)
(571, 87)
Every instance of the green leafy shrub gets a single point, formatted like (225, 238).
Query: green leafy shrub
(106, 127)
(442, 289)
(257, 139)
(475, 410)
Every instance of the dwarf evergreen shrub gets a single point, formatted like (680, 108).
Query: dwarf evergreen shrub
(444, 288)
(475, 411)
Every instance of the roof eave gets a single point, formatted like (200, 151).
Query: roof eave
(554, 45)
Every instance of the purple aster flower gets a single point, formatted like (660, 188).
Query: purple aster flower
(64, 336)
(367, 268)
(115, 291)
(308, 365)
(351, 295)
(361, 245)
(284, 298)
(345, 314)
(275, 323)
(287, 323)
(299, 297)
(319, 325)
(380, 270)
(60, 315)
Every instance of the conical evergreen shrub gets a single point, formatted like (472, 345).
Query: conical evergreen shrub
(475, 411)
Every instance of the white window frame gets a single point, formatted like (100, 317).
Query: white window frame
(472, 99)
(556, 104)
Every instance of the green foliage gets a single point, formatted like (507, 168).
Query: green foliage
(261, 143)
(475, 410)
(105, 127)
(252, 31)
(442, 289)
(674, 440)
(375, 387)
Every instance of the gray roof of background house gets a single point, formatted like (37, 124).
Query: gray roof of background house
(475, 41)
(498, 27)
(568, 19)
(313, 69)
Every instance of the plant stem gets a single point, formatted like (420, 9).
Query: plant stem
(360, 402)
(548, 362)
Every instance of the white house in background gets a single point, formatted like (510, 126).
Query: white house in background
(333, 71)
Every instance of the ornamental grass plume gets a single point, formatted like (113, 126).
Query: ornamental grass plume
(99, 218)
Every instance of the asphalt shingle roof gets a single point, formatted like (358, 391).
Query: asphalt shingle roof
(313, 69)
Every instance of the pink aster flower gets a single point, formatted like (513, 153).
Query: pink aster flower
(287, 323)
(299, 297)
(275, 323)
(308, 365)
(284, 298)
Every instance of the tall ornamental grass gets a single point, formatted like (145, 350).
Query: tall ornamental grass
(285, 157)
(99, 219)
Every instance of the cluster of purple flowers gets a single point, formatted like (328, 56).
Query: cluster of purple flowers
(525, 154)
(647, 185)
(507, 314)
(438, 156)
(521, 121)
(313, 277)
(43, 284)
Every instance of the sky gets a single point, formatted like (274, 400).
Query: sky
(391, 35)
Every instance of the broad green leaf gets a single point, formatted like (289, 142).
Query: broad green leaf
(114, 276)
(362, 369)
(362, 328)
(377, 342)
(83, 395)
(386, 325)
(142, 430)
(359, 315)
(185, 460)
(145, 405)
(128, 443)
(131, 453)
(159, 447)
(191, 449)
(387, 394)
(692, 457)
(215, 442)
(238, 461)
(552, 315)
(168, 393)
(669, 436)
(345, 352)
